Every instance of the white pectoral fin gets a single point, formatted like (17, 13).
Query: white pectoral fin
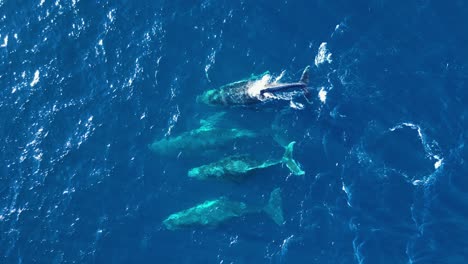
(277, 79)
(289, 161)
(305, 75)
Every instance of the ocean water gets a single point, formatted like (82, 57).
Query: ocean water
(87, 85)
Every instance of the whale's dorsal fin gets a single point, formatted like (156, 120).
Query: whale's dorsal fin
(305, 75)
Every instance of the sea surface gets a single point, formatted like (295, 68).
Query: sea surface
(86, 86)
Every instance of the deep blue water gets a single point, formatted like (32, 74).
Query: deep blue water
(87, 85)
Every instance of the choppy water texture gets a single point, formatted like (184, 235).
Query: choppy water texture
(87, 85)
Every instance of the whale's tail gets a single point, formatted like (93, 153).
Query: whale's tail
(274, 208)
(289, 161)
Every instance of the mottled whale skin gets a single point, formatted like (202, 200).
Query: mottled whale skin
(255, 90)
(212, 213)
(208, 136)
(237, 167)
(198, 140)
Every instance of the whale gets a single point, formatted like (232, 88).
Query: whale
(257, 89)
(209, 136)
(236, 168)
(212, 213)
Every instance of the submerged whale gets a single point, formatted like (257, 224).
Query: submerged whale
(255, 90)
(212, 213)
(237, 167)
(208, 136)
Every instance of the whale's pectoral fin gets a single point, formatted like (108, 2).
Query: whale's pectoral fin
(307, 95)
(288, 160)
(305, 75)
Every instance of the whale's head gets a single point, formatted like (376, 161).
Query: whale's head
(212, 97)
(170, 223)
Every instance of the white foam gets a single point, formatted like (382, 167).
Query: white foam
(418, 182)
(285, 246)
(68, 190)
(41, 3)
(412, 126)
(36, 79)
(339, 29)
(38, 156)
(348, 194)
(233, 240)
(257, 86)
(296, 105)
(438, 162)
(322, 95)
(323, 55)
(211, 62)
(5, 42)
(277, 79)
(110, 15)
(173, 121)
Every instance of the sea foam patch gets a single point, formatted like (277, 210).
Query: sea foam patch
(35, 79)
(322, 95)
(323, 55)
(5, 42)
(257, 86)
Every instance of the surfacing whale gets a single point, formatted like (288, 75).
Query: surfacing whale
(237, 167)
(212, 213)
(256, 90)
(210, 135)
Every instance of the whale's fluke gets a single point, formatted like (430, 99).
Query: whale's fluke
(289, 160)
